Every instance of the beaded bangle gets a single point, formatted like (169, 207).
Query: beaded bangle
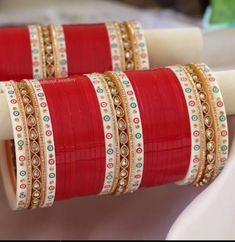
(35, 142)
(121, 182)
(205, 175)
(196, 124)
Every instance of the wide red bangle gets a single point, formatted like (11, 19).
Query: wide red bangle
(45, 51)
(87, 48)
(165, 126)
(15, 54)
(79, 151)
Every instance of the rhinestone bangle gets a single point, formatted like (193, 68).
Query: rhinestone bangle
(134, 46)
(124, 141)
(33, 137)
(48, 51)
(206, 173)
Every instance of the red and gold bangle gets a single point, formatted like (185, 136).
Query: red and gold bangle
(205, 175)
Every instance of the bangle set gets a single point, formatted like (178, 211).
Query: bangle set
(61, 50)
(123, 133)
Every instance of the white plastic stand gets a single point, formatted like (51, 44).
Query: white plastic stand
(174, 46)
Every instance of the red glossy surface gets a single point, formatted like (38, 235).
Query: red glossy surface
(15, 54)
(88, 48)
(166, 130)
(78, 135)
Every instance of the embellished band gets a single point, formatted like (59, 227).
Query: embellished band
(110, 130)
(48, 49)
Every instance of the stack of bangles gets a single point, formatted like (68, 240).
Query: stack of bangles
(62, 50)
(112, 133)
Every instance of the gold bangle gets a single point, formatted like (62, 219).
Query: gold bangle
(48, 51)
(55, 49)
(127, 47)
(124, 130)
(134, 46)
(122, 51)
(207, 171)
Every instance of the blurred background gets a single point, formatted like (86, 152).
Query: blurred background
(209, 14)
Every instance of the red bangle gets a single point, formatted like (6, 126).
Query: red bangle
(166, 130)
(80, 165)
(15, 54)
(88, 48)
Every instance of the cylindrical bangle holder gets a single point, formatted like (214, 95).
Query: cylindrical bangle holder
(117, 132)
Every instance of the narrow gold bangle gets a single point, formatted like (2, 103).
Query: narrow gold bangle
(122, 51)
(48, 52)
(134, 46)
(206, 174)
(127, 47)
(55, 49)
